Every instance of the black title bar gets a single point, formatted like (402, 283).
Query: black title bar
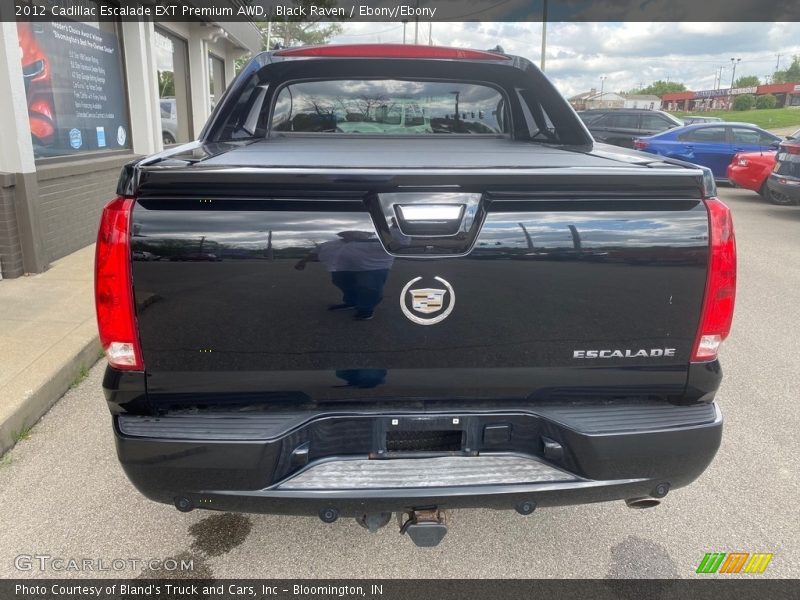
(405, 10)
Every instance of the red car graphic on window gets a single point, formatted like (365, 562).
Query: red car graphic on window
(38, 88)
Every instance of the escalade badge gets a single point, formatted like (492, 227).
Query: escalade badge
(427, 301)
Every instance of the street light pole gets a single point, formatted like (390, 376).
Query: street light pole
(544, 34)
(734, 62)
(602, 85)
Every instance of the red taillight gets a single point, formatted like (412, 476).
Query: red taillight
(113, 288)
(790, 148)
(639, 144)
(390, 51)
(717, 313)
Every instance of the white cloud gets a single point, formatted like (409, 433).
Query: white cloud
(627, 54)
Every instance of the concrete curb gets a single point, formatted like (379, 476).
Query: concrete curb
(44, 383)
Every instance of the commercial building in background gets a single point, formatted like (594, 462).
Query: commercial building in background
(786, 95)
(593, 99)
(646, 101)
(80, 99)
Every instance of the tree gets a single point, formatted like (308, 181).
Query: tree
(747, 81)
(166, 84)
(300, 31)
(744, 102)
(659, 88)
(766, 101)
(790, 75)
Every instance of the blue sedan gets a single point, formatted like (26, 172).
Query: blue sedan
(709, 145)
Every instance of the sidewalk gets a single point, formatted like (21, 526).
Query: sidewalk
(48, 340)
(784, 131)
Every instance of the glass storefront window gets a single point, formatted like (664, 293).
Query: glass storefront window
(216, 79)
(173, 87)
(75, 87)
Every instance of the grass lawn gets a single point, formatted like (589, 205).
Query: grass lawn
(768, 118)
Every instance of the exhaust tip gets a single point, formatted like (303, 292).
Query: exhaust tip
(642, 502)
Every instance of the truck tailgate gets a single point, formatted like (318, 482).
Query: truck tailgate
(559, 283)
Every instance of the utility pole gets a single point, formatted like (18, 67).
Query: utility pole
(404, 30)
(430, 33)
(544, 34)
(778, 63)
(416, 26)
(602, 85)
(734, 62)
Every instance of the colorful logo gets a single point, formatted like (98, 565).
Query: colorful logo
(427, 301)
(75, 138)
(734, 562)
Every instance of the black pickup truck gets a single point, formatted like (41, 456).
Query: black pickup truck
(404, 279)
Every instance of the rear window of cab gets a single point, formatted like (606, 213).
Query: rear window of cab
(388, 107)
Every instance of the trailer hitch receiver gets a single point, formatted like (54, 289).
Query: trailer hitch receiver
(426, 527)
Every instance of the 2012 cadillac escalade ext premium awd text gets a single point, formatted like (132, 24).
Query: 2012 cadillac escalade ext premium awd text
(403, 279)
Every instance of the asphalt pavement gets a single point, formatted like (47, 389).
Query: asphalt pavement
(63, 494)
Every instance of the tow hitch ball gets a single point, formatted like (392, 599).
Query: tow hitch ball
(425, 527)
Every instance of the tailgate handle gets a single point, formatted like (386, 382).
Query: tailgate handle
(429, 219)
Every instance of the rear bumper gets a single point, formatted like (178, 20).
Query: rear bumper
(745, 177)
(300, 464)
(788, 186)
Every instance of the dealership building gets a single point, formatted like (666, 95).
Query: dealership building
(80, 99)
(786, 95)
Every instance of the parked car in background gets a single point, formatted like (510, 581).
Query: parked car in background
(169, 120)
(694, 119)
(621, 126)
(784, 182)
(749, 170)
(710, 145)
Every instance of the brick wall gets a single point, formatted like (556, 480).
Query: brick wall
(10, 252)
(71, 197)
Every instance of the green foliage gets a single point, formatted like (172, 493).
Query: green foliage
(22, 434)
(768, 119)
(747, 81)
(82, 374)
(659, 88)
(766, 101)
(300, 31)
(744, 102)
(789, 75)
(295, 31)
(166, 84)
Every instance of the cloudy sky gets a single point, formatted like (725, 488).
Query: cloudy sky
(628, 54)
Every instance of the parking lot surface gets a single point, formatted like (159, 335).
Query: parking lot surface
(63, 494)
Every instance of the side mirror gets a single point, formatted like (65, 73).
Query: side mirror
(776, 144)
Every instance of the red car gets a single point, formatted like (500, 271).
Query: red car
(750, 170)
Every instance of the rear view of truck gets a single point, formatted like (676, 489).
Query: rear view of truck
(403, 279)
